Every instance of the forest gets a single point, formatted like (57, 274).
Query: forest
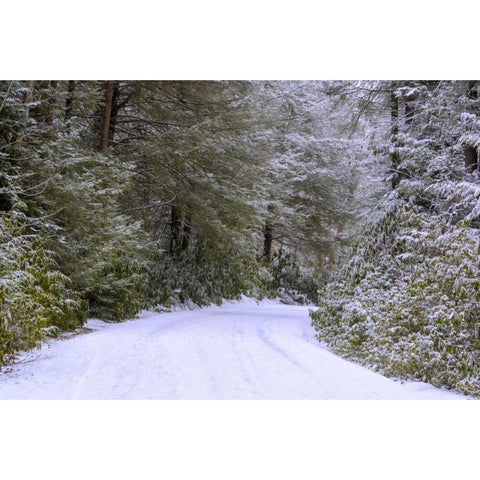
(359, 198)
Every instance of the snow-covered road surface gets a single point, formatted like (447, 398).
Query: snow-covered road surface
(241, 350)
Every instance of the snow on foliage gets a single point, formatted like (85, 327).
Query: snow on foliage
(36, 299)
(406, 302)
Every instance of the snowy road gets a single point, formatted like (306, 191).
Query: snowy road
(241, 350)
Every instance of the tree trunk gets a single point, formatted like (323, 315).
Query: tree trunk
(471, 158)
(394, 156)
(268, 234)
(115, 109)
(28, 96)
(52, 100)
(267, 242)
(187, 228)
(69, 100)
(107, 111)
(472, 89)
(471, 153)
(175, 230)
(409, 107)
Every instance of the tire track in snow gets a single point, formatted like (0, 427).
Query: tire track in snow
(80, 385)
(263, 336)
(242, 357)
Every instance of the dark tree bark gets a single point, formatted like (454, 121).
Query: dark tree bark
(175, 230)
(115, 109)
(394, 156)
(472, 89)
(268, 234)
(107, 111)
(52, 100)
(69, 100)
(471, 158)
(471, 153)
(267, 242)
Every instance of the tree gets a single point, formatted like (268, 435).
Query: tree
(394, 114)
(471, 150)
(310, 182)
(107, 113)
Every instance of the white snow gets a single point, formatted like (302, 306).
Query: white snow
(241, 350)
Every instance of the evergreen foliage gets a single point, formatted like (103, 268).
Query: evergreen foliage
(36, 299)
(197, 278)
(288, 278)
(405, 302)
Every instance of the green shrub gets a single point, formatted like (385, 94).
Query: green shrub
(115, 286)
(288, 276)
(407, 301)
(35, 298)
(203, 280)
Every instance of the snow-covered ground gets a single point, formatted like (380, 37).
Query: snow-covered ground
(241, 350)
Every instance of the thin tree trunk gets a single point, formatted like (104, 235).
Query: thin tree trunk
(27, 99)
(175, 230)
(28, 96)
(268, 234)
(115, 109)
(394, 156)
(471, 153)
(409, 107)
(187, 228)
(267, 242)
(52, 100)
(107, 111)
(69, 100)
